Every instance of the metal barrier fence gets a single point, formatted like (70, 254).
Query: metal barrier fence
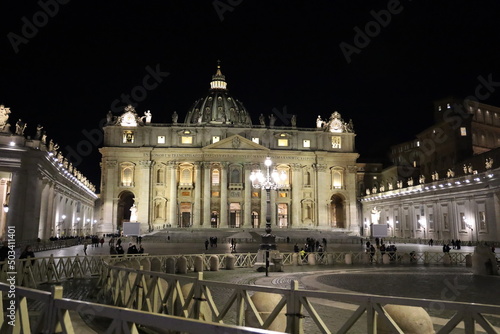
(31, 272)
(194, 298)
(58, 316)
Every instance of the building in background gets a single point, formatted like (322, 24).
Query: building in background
(444, 184)
(42, 194)
(196, 173)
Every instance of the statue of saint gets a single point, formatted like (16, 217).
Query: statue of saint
(38, 134)
(175, 117)
(133, 213)
(262, 120)
(319, 122)
(44, 137)
(20, 127)
(109, 118)
(294, 120)
(148, 116)
(272, 120)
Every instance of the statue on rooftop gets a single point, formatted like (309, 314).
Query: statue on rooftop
(20, 127)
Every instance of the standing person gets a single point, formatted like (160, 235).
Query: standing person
(27, 253)
(206, 244)
(85, 247)
(102, 241)
(296, 248)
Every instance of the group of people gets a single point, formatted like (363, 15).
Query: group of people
(118, 248)
(311, 245)
(389, 249)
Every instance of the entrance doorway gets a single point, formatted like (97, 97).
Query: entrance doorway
(337, 216)
(185, 215)
(125, 202)
(234, 215)
(282, 215)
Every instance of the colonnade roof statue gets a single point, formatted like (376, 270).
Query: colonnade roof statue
(218, 107)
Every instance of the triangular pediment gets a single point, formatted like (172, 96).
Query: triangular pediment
(236, 142)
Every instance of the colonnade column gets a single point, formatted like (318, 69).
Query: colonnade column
(247, 209)
(173, 219)
(223, 195)
(296, 219)
(197, 195)
(206, 194)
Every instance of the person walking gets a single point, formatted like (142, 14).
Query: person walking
(85, 247)
(206, 244)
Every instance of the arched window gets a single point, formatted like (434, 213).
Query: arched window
(284, 175)
(160, 176)
(337, 178)
(127, 174)
(185, 176)
(235, 176)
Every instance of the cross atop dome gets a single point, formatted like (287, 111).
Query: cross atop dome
(218, 79)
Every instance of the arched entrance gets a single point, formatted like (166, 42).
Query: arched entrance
(337, 211)
(125, 202)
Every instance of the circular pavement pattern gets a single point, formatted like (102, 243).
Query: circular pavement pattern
(453, 284)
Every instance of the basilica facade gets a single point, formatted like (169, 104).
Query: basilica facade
(195, 173)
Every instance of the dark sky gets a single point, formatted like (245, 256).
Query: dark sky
(67, 72)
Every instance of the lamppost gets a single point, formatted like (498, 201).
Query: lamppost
(268, 181)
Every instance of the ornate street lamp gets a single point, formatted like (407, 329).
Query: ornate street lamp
(268, 181)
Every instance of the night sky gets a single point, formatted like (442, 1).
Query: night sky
(80, 58)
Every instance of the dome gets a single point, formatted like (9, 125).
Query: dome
(218, 107)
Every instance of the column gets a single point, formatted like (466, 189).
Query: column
(352, 219)
(296, 218)
(110, 175)
(223, 196)
(263, 202)
(144, 194)
(247, 208)
(206, 194)
(173, 219)
(322, 184)
(43, 225)
(197, 195)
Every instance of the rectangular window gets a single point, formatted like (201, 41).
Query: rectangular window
(306, 143)
(186, 193)
(161, 139)
(256, 140)
(283, 194)
(215, 139)
(283, 142)
(186, 140)
(255, 194)
(463, 131)
(445, 221)
(215, 194)
(482, 221)
(462, 221)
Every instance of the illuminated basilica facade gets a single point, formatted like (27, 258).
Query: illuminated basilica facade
(196, 173)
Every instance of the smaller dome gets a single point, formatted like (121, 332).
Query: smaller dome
(218, 107)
